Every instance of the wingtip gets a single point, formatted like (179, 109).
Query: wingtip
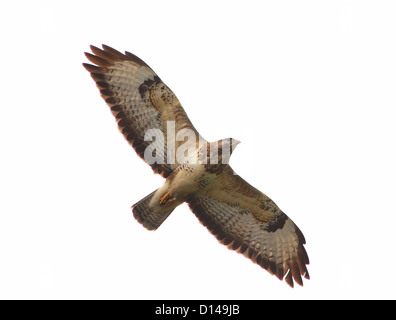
(289, 279)
(87, 66)
(95, 71)
(92, 47)
(114, 53)
(99, 61)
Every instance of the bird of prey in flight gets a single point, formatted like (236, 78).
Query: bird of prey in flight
(197, 172)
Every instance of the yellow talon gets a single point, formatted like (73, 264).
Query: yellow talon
(166, 199)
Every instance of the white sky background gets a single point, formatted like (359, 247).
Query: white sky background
(307, 86)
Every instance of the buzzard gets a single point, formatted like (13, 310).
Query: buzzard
(152, 120)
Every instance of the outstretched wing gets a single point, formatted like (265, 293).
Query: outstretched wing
(244, 219)
(140, 101)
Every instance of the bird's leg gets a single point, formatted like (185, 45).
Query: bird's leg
(166, 199)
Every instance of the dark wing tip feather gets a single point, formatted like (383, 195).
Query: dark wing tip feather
(113, 52)
(111, 101)
(99, 61)
(107, 92)
(102, 84)
(289, 279)
(93, 69)
(98, 76)
(295, 271)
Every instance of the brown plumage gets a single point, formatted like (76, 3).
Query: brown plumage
(240, 216)
(134, 94)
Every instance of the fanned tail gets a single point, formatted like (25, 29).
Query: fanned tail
(150, 218)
